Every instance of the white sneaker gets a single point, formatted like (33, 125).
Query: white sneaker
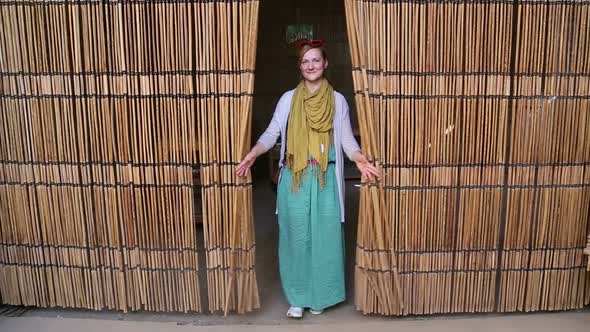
(295, 312)
(316, 312)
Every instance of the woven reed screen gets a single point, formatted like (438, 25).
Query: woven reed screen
(108, 108)
(478, 112)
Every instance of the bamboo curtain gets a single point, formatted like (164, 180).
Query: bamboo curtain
(478, 113)
(114, 114)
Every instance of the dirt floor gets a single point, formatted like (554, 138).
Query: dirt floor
(538, 322)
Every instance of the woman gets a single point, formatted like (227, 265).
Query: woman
(314, 125)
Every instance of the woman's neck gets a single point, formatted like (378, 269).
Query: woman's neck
(313, 86)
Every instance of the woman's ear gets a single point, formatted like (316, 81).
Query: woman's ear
(326, 64)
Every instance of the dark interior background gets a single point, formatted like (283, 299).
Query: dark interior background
(276, 66)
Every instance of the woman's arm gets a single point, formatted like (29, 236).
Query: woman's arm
(349, 143)
(244, 167)
(269, 138)
(266, 141)
(352, 149)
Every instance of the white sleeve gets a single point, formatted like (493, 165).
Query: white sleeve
(269, 138)
(349, 143)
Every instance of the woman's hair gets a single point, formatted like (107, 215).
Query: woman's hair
(303, 49)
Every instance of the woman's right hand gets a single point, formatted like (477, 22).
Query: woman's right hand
(243, 167)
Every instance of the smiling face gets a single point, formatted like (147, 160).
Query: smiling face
(313, 64)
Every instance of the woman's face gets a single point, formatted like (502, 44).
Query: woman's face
(312, 65)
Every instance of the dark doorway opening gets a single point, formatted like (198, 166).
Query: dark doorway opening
(276, 72)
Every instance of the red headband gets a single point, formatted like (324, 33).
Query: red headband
(310, 42)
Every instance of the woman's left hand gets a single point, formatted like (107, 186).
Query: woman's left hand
(367, 169)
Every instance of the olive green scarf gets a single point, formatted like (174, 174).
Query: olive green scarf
(310, 131)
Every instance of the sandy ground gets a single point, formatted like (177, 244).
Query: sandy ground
(540, 322)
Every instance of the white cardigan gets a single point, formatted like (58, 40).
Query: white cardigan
(343, 137)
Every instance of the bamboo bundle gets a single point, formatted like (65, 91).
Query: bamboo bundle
(106, 115)
(227, 203)
(376, 272)
(543, 269)
(478, 113)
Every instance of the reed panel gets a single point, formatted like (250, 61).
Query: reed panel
(477, 112)
(120, 120)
